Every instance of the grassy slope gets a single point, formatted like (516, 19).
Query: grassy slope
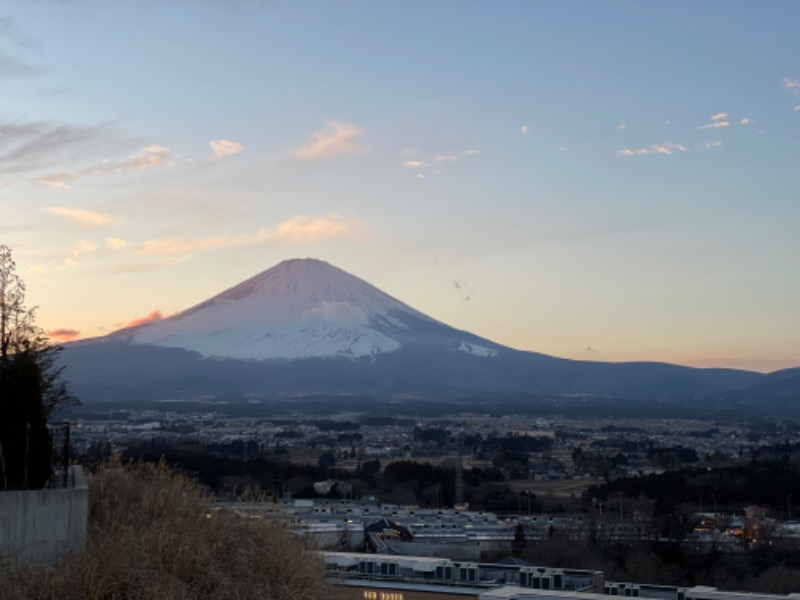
(152, 534)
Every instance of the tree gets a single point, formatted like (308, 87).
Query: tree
(327, 460)
(31, 385)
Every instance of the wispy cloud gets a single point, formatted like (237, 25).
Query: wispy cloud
(710, 145)
(63, 334)
(223, 148)
(141, 267)
(78, 249)
(29, 146)
(150, 317)
(793, 85)
(163, 246)
(113, 243)
(12, 67)
(719, 116)
(745, 121)
(57, 180)
(336, 138)
(447, 158)
(470, 152)
(298, 229)
(301, 228)
(716, 125)
(667, 148)
(622, 126)
(524, 130)
(10, 30)
(146, 158)
(415, 164)
(37, 269)
(87, 218)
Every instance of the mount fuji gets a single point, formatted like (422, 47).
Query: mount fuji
(305, 326)
(299, 309)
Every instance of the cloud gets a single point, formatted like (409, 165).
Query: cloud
(151, 317)
(710, 145)
(420, 176)
(79, 248)
(718, 116)
(446, 158)
(140, 267)
(9, 29)
(224, 148)
(37, 269)
(298, 229)
(11, 67)
(791, 83)
(622, 126)
(796, 107)
(58, 180)
(716, 125)
(64, 335)
(87, 218)
(745, 121)
(666, 148)
(470, 152)
(302, 228)
(336, 138)
(524, 130)
(115, 243)
(28, 146)
(146, 158)
(160, 246)
(414, 164)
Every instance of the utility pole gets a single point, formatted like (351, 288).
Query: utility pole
(460, 469)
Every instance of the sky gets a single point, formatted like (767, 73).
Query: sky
(613, 181)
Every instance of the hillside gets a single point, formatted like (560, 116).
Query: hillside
(153, 533)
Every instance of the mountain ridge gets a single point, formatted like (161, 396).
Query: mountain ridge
(309, 326)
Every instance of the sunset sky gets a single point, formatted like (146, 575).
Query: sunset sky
(615, 180)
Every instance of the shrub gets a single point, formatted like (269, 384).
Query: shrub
(154, 533)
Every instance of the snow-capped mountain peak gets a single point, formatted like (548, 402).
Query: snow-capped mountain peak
(300, 308)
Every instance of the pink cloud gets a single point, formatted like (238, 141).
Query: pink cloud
(337, 138)
(64, 335)
(151, 317)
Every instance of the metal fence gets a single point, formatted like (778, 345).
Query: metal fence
(33, 458)
(61, 476)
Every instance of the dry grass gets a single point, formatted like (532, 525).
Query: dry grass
(153, 535)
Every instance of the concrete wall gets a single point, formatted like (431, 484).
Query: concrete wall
(40, 526)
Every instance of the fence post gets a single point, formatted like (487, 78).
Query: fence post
(65, 453)
(25, 457)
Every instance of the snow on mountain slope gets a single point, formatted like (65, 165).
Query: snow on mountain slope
(301, 308)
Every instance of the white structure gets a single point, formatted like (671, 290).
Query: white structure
(40, 526)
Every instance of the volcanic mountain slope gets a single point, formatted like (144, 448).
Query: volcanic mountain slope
(299, 309)
(306, 326)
